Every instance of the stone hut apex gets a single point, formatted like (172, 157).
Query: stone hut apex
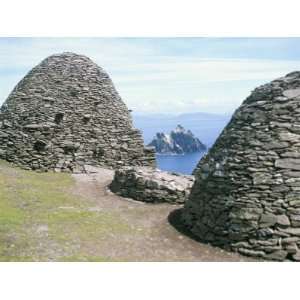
(65, 114)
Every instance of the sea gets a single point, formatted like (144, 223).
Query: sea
(184, 164)
(205, 126)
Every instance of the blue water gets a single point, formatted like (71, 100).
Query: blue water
(184, 164)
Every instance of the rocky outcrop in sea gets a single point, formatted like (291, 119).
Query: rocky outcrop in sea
(179, 141)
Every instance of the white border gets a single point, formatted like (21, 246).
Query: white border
(268, 18)
(149, 281)
(149, 18)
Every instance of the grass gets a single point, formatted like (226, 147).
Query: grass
(41, 220)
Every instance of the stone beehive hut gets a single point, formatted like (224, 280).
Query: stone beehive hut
(66, 114)
(247, 191)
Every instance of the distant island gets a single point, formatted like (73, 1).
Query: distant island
(179, 141)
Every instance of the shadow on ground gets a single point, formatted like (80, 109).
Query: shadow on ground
(174, 218)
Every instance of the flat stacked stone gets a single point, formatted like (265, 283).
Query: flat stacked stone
(65, 114)
(151, 185)
(246, 196)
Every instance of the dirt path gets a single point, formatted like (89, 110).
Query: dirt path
(150, 236)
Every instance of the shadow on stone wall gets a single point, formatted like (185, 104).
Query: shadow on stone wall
(175, 219)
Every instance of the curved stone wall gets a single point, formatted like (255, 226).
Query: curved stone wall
(151, 185)
(66, 113)
(246, 197)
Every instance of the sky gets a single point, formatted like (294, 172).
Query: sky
(165, 75)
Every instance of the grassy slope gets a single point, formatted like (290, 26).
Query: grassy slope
(40, 220)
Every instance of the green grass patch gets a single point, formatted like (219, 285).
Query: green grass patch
(30, 201)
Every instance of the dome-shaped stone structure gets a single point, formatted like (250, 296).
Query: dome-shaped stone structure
(65, 114)
(246, 196)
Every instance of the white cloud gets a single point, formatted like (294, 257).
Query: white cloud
(148, 79)
(210, 85)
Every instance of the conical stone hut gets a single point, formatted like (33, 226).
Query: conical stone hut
(246, 196)
(66, 114)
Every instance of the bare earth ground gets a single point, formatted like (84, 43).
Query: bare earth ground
(56, 217)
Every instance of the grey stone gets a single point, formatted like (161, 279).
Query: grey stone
(3, 135)
(2, 153)
(70, 104)
(288, 163)
(283, 220)
(275, 145)
(292, 248)
(151, 185)
(290, 240)
(289, 137)
(294, 203)
(296, 256)
(259, 151)
(290, 154)
(279, 255)
(292, 93)
(292, 231)
(250, 252)
(267, 220)
(262, 178)
(295, 220)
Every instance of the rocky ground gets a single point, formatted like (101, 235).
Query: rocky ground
(59, 217)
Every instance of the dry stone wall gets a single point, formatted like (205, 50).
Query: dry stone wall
(246, 196)
(151, 185)
(66, 114)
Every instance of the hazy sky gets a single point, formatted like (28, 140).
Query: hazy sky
(165, 75)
